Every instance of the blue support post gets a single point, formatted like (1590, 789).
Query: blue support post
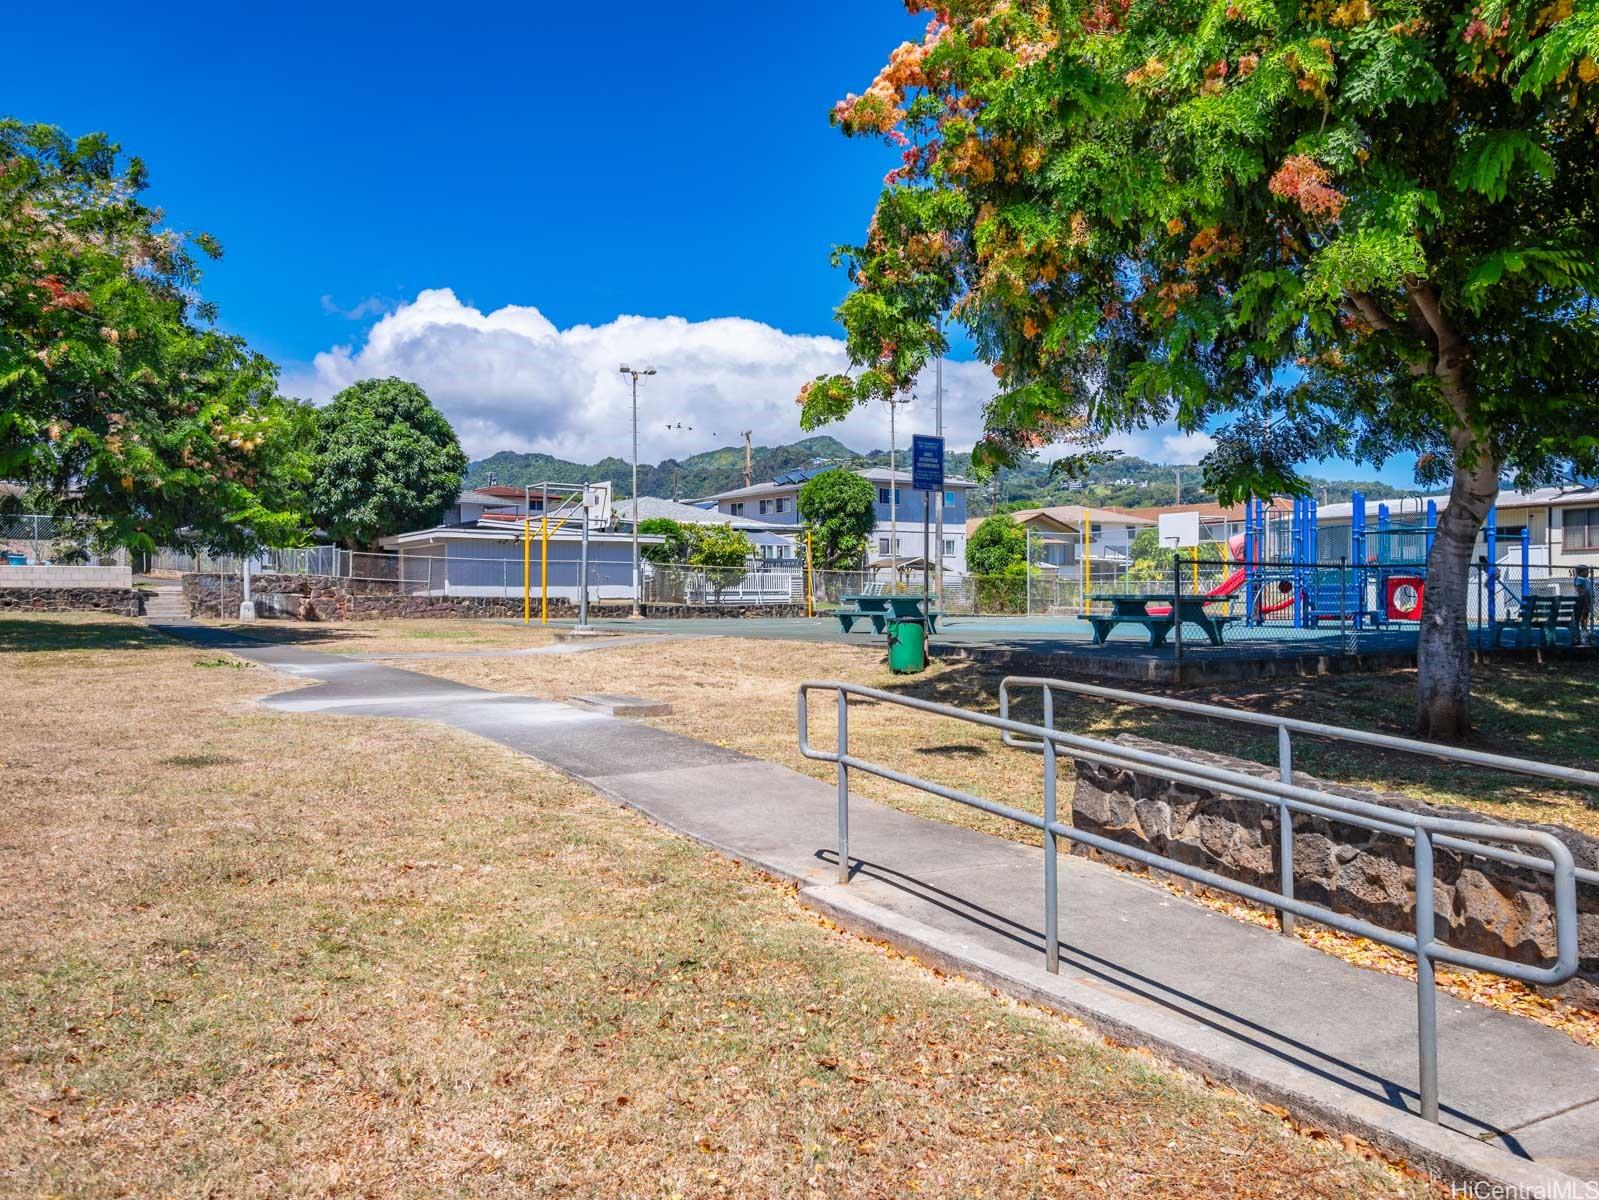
(1252, 557)
(1382, 534)
(1312, 557)
(1491, 537)
(1357, 552)
(1432, 525)
(1294, 535)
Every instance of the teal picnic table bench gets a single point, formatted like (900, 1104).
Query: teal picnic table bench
(881, 609)
(1542, 617)
(863, 608)
(1135, 610)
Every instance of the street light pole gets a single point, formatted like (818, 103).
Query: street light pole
(638, 575)
(893, 486)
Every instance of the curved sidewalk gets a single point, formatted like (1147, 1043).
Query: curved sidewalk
(1233, 1001)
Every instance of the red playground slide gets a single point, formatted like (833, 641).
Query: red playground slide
(1227, 587)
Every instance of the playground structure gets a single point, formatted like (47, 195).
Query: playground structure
(1371, 576)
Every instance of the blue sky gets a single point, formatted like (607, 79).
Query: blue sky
(398, 185)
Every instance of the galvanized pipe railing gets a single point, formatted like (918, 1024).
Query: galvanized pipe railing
(1424, 830)
(1286, 727)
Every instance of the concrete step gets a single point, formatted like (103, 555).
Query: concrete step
(165, 602)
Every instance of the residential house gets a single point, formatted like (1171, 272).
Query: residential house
(1058, 544)
(776, 543)
(478, 550)
(899, 511)
(1562, 523)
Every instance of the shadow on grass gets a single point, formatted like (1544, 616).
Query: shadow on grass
(1543, 711)
(36, 634)
(292, 634)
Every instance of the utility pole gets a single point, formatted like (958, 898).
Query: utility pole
(1179, 485)
(638, 577)
(749, 475)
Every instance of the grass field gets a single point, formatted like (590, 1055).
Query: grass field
(397, 637)
(261, 954)
(740, 693)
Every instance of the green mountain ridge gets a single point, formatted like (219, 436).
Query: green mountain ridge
(1126, 481)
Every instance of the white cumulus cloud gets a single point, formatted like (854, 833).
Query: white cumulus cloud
(510, 379)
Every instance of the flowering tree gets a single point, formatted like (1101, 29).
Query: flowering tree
(119, 404)
(1358, 228)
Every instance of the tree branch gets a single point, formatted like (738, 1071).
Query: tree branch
(1376, 316)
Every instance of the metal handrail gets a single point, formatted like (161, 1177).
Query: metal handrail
(1425, 830)
(1286, 727)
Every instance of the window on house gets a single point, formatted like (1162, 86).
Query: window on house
(782, 504)
(949, 546)
(1581, 528)
(736, 508)
(949, 499)
(882, 495)
(766, 507)
(882, 547)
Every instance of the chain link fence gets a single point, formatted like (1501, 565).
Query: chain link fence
(1274, 602)
(35, 539)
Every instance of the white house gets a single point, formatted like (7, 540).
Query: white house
(490, 533)
(899, 510)
(1562, 523)
(775, 544)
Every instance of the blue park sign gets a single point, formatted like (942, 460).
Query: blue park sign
(927, 463)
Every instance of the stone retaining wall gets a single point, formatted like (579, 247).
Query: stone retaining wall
(732, 611)
(330, 598)
(122, 601)
(334, 598)
(1483, 906)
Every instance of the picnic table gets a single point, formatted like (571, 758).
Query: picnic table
(1135, 610)
(1542, 617)
(882, 608)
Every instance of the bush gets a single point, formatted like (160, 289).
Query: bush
(996, 545)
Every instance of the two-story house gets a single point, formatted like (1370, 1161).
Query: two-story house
(899, 510)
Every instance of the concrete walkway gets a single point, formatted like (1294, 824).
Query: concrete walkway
(1238, 1003)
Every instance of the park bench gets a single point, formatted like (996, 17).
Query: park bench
(1544, 616)
(1135, 610)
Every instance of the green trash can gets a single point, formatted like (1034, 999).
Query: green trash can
(907, 645)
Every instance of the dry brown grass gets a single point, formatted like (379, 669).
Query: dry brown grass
(740, 693)
(396, 637)
(257, 954)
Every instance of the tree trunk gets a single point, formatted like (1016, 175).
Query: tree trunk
(1443, 652)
